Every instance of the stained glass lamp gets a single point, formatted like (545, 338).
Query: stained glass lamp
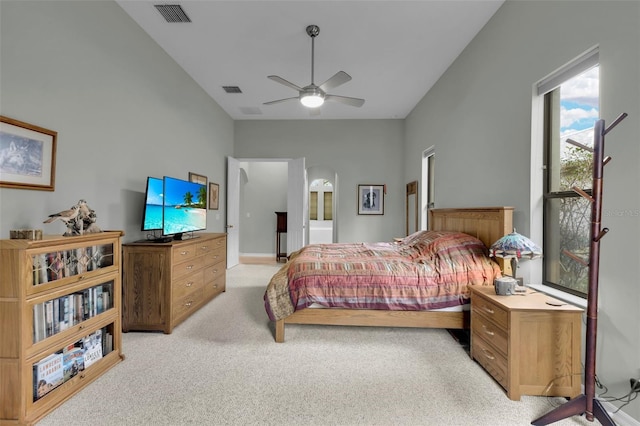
(515, 246)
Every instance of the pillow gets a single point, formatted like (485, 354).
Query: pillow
(444, 241)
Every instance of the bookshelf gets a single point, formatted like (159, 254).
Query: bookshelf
(60, 326)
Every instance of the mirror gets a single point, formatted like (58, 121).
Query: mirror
(412, 207)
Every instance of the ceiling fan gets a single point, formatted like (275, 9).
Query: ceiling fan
(312, 96)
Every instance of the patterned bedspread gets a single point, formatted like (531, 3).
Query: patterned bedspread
(426, 270)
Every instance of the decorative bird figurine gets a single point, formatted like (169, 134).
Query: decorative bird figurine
(66, 215)
(85, 211)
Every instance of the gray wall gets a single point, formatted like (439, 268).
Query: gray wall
(263, 191)
(360, 152)
(123, 110)
(479, 118)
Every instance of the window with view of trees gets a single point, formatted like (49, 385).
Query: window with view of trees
(571, 111)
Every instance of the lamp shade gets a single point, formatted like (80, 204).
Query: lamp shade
(514, 245)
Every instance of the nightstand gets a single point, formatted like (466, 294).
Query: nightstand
(530, 343)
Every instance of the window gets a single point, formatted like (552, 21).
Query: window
(571, 108)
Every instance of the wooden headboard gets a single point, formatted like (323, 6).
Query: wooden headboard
(487, 224)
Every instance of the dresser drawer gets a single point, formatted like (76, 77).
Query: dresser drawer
(495, 313)
(187, 284)
(217, 254)
(491, 333)
(214, 280)
(209, 246)
(494, 362)
(188, 266)
(184, 252)
(184, 305)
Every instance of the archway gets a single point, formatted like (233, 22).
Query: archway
(322, 205)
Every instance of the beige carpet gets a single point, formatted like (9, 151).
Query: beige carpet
(222, 367)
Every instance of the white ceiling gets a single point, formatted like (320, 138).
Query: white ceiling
(394, 50)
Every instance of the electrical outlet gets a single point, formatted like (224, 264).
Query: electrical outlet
(635, 384)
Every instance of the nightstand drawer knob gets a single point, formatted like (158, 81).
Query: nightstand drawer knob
(487, 331)
(491, 311)
(488, 354)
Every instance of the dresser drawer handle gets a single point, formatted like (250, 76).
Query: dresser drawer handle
(487, 331)
(188, 304)
(190, 283)
(182, 253)
(488, 354)
(491, 311)
(189, 267)
(215, 256)
(215, 271)
(204, 247)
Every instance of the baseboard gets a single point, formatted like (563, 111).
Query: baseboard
(257, 258)
(620, 418)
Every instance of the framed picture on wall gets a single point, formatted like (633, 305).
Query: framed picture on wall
(27, 155)
(370, 199)
(194, 177)
(214, 196)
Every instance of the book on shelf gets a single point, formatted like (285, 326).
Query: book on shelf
(92, 345)
(72, 360)
(48, 317)
(48, 375)
(39, 325)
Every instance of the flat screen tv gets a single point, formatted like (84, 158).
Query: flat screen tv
(152, 215)
(184, 207)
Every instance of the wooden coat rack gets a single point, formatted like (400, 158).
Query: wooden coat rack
(587, 403)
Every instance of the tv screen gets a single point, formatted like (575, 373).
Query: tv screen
(152, 215)
(184, 208)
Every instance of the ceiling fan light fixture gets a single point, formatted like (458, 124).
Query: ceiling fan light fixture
(312, 96)
(312, 100)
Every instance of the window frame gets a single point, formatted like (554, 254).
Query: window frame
(577, 67)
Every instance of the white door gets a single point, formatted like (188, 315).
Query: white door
(233, 212)
(428, 184)
(297, 206)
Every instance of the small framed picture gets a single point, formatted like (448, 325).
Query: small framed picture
(27, 155)
(214, 196)
(194, 177)
(370, 199)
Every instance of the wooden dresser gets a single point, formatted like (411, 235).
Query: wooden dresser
(530, 343)
(164, 283)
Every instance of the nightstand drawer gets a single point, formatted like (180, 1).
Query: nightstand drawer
(492, 361)
(491, 333)
(495, 313)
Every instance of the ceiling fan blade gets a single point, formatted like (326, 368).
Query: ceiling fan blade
(356, 102)
(338, 79)
(280, 100)
(285, 82)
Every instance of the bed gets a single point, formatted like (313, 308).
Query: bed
(459, 233)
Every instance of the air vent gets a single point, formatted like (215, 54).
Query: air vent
(232, 89)
(172, 12)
